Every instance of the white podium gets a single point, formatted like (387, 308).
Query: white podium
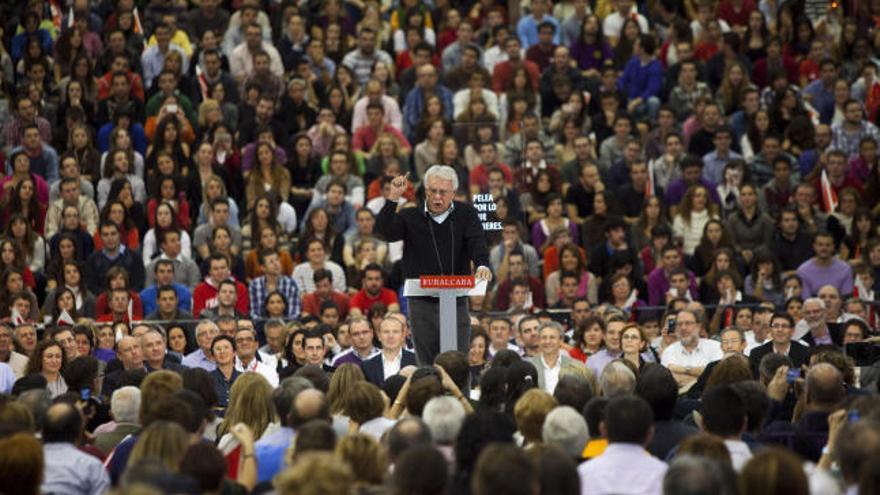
(447, 289)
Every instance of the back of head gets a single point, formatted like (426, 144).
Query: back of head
(617, 379)
(286, 393)
(125, 404)
(316, 376)
(856, 443)
(479, 430)
(657, 386)
(723, 411)
(594, 414)
(316, 473)
(557, 471)
(565, 427)
(708, 446)
(420, 392)
(493, 389)
(406, 434)
(825, 386)
(628, 419)
(159, 384)
(444, 416)
(80, 373)
(15, 417)
(573, 390)
(754, 395)
(694, 475)
(162, 440)
(63, 423)
(310, 404)
(204, 463)
(314, 436)
(455, 363)
(530, 411)
(37, 402)
(774, 471)
(365, 456)
(732, 369)
(364, 402)
(21, 464)
(769, 364)
(494, 468)
(521, 377)
(421, 470)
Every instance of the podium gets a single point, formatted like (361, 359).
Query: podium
(447, 289)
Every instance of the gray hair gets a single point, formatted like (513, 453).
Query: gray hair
(125, 404)
(815, 300)
(205, 323)
(617, 379)
(444, 416)
(694, 475)
(442, 172)
(553, 325)
(566, 428)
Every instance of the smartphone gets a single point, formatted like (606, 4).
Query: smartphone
(792, 375)
(85, 394)
(171, 108)
(852, 416)
(670, 325)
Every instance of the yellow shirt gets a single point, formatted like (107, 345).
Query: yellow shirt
(180, 39)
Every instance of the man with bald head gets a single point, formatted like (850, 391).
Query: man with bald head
(67, 469)
(824, 393)
(296, 402)
(130, 353)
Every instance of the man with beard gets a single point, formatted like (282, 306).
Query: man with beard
(373, 292)
(815, 329)
(688, 357)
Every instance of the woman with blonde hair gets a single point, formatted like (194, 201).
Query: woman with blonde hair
(214, 187)
(164, 441)
(344, 378)
(210, 113)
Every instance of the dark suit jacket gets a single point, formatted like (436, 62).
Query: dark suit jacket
(834, 329)
(375, 372)
(798, 353)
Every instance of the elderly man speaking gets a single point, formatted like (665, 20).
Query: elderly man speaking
(441, 237)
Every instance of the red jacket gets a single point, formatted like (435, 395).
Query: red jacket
(205, 296)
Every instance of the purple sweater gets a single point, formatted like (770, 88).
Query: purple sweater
(838, 274)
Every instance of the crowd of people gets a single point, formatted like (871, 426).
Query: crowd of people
(201, 292)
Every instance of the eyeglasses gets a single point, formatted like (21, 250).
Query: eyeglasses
(631, 337)
(241, 340)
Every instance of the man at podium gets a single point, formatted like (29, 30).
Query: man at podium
(441, 237)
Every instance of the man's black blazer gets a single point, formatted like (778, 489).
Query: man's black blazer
(375, 372)
(798, 353)
(834, 329)
(447, 248)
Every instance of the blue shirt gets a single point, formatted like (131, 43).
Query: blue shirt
(822, 99)
(148, 298)
(269, 451)
(71, 471)
(7, 378)
(713, 165)
(641, 80)
(45, 164)
(415, 105)
(257, 291)
(527, 30)
(198, 359)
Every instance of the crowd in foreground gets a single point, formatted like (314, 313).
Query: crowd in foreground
(196, 295)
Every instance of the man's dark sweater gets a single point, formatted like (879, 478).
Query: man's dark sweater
(98, 263)
(430, 248)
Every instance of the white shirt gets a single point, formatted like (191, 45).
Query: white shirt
(623, 469)
(391, 367)
(705, 352)
(740, 453)
(376, 427)
(265, 368)
(551, 374)
(613, 23)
